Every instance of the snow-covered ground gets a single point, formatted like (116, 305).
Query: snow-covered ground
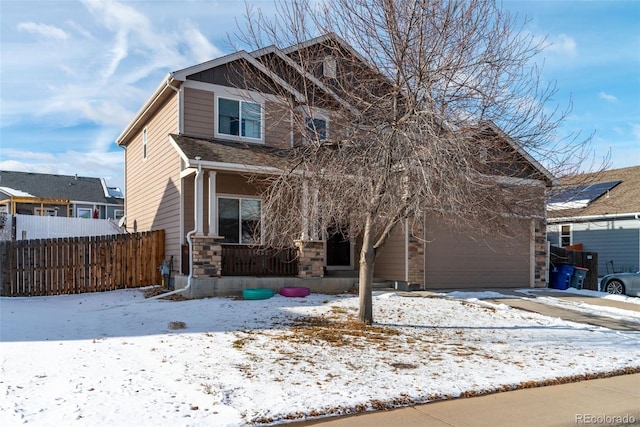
(119, 359)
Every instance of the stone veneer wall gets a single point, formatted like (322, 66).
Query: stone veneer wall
(207, 256)
(416, 255)
(310, 258)
(540, 248)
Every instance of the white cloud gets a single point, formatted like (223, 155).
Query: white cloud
(607, 97)
(201, 49)
(48, 31)
(635, 130)
(79, 29)
(562, 44)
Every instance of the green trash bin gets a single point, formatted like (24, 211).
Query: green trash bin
(579, 274)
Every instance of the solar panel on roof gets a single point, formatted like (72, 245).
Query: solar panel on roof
(579, 196)
(115, 192)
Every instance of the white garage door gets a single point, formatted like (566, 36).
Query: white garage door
(459, 258)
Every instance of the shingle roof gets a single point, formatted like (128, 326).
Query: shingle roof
(79, 189)
(621, 199)
(214, 150)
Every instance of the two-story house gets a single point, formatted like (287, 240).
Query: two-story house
(190, 150)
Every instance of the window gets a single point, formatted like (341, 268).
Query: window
(118, 214)
(144, 143)
(239, 118)
(316, 128)
(47, 211)
(239, 220)
(84, 213)
(565, 235)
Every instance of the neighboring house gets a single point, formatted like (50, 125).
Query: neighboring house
(29, 193)
(599, 212)
(191, 147)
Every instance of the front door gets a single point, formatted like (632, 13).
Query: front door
(339, 250)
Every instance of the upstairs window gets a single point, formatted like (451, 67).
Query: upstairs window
(239, 118)
(316, 128)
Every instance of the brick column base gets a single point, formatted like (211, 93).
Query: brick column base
(207, 256)
(310, 258)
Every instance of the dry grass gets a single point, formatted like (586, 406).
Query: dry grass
(337, 332)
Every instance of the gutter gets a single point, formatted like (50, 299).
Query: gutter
(630, 215)
(146, 107)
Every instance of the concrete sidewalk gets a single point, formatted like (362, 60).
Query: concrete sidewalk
(611, 401)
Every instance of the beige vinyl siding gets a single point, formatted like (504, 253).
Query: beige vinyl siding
(227, 183)
(460, 258)
(199, 110)
(391, 261)
(277, 125)
(153, 185)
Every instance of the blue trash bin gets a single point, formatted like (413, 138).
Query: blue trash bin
(560, 276)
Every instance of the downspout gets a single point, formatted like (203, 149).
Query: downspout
(190, 243)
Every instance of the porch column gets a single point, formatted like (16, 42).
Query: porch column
(213, 204)
(310, 258)
(207, 256)
(199, 204)
(305, 211)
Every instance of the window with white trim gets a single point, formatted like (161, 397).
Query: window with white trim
(144, 144)
(84, 213)
(565, 235)
(316, 124)
(239, 220)
(239, 118)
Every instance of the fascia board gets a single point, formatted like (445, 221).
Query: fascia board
(164, 86)
(181, 153)
(292, 63)
(579, 218)
(323, 38)
(523, 152)
(233, 167)
(181, 75)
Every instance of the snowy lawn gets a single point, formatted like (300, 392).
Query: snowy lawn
(117, 358)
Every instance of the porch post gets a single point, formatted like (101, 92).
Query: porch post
(199, 204)
(305, 211)
(213, 204)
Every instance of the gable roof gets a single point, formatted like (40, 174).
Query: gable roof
(605, 193)
(41, 185)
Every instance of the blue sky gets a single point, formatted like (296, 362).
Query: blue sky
(73, 73)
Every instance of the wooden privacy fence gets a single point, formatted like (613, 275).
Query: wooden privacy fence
(80, 264)
(579, 259)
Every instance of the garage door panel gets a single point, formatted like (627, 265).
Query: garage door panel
(461, 258)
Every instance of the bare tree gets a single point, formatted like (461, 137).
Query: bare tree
(431, 107)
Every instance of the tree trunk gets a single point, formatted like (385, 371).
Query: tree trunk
(367, 259)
